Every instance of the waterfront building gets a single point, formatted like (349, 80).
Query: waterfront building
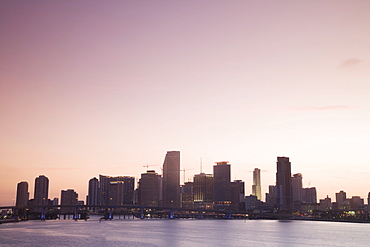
(41, 191)
(325, 204)
(271, 197)
(187, 195)
(237, 195)
(256, 187)
(203, 190)
(356, 202)
(340, 197)
(68, 197)
(117, 190)
(171, 180)
(251, 202)
(283, 183)
(297, 186)
(309, 195)
(221, 185)
(22, 194)
(55, 201)
(93, 197)
(149, 188)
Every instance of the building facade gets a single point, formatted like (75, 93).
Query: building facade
(22, 194)
(148, 189)
(171, 180)
(41, 191)
(256, 187)
(283, 183)
(221, 185)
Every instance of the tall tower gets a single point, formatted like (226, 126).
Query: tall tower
(297, 187)
(41, 191)
(148, 190)
(94, 194)
(256, 187)
(22, 194)
(283, 183)
(171, 179)
(68, 197)
(203, 190)
(221, 184)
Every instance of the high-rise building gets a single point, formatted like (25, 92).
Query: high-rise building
(187, 195)
(237, 195)
(93, 197)
(116, 190)
(309, 195)
(41, 191)
(297, 187)
(148, 190)
(68, 197)
(283, 183)
(22, 194)
(271, 197)
(256, 187)
(221, 185)
(325, 204)
(340, 197)
(171, 179)
(203, 190)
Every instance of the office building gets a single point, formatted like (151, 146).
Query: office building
(171, 180)
(187, 195)
(271, 197)
(22, 194)
(117, 190)
(309, 195)
(203, 190)
(237, 195)
(340, 197)
(325, 204)
(221, 185)
(283, 183)
(93, 197)
(297, 186)
(148, 189)
(256, 187)
(41, 192)
(68, 197)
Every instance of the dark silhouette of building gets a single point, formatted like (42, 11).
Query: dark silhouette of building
(237, 195)
(271, 197)
(68, 197)
(221, 185)
(283, 183)
(203, 190)
(187, 195)
(309, 195)
(116, 190)
(41, 191)
(149, 189)
(256, 187)
(340, 197)
(93, 197)
(22, 194)
(325, 204)
(171, 179)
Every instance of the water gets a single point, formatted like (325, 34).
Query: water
(135, 232)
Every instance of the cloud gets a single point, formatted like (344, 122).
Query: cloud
(351, 62)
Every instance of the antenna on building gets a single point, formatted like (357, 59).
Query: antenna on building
(200, 164)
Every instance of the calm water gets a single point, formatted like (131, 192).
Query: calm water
(183, 233)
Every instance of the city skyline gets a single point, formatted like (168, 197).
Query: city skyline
(89, 88)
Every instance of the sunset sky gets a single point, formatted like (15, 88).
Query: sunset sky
(107, 87)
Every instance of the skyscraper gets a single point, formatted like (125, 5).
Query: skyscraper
(116, 190)
(283, 183)
(237, 195)
(203, 190)
(221, 184)
(171, 179)
(256, 187)
(297, 187)
(41, 191)
(93, 194)
(22, 194)
(148, 190)
(68, 197)
(309, 195)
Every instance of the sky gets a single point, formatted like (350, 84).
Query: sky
(108, 87)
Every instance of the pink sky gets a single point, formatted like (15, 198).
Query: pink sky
(106, 87)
